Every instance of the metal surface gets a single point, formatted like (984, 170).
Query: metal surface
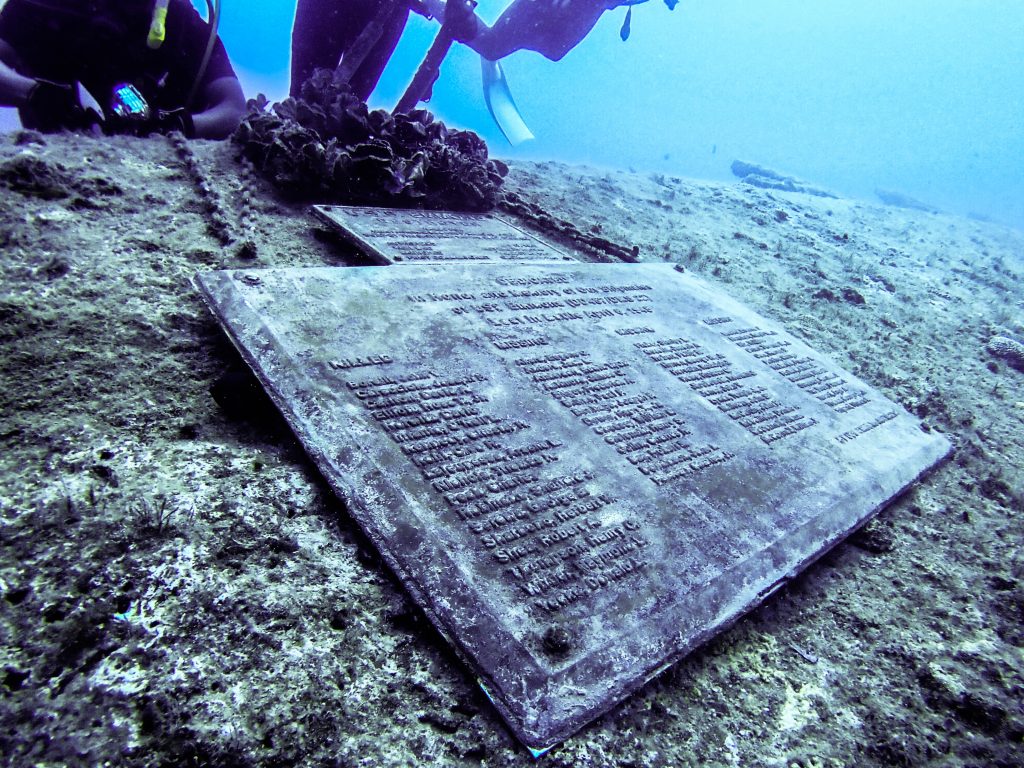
(400, 236)
(580, 472)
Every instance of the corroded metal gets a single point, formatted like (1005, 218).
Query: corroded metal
(580, 472)
(401, 236)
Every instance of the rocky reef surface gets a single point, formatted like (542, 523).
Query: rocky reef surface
(178, 586)
(767, 178)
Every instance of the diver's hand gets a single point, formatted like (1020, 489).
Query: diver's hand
(158, 121)
(54, 102)
(54, 106)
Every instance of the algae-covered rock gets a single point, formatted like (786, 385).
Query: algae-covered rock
(766, 178)
(33, 177)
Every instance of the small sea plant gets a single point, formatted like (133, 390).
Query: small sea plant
(157, 517)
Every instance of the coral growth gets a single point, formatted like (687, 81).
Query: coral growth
(328, 145)
(1008, 349)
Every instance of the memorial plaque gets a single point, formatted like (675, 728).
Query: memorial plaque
(579, 471)
(400, 236)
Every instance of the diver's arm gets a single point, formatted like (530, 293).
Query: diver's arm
(54, 103)
(15, 88)
(226, 105)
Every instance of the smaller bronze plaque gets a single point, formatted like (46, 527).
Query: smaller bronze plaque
(399, 236)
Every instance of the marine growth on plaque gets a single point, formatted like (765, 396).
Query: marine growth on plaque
(579, 471)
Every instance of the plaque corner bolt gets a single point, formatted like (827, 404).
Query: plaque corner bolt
(557, 641)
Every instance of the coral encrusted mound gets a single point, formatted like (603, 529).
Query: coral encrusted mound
(329, 146)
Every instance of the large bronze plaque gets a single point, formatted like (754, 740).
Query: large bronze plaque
(580, 471)
(401, 236)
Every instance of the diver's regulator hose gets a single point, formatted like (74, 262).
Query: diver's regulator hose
(213, 7)
(158, 33)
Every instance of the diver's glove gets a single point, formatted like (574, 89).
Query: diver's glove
(54, 105)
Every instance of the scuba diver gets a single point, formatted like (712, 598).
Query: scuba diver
(130, 66)
(329, 31)
(552, 28)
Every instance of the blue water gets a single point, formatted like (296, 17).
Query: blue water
(923, 97)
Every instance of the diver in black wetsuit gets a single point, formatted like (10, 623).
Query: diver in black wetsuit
(327, 30)
(552, 28)
(141, 75)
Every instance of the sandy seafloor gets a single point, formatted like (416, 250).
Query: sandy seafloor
(180, 587)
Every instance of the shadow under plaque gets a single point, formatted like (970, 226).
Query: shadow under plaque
(579, 471)
(406, 236)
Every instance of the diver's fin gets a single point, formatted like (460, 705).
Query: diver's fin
(501, 105)
(89, 105)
